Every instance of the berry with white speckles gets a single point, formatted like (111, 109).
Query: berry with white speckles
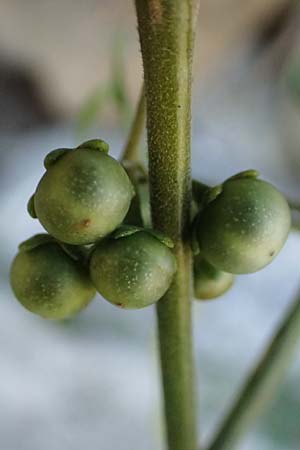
(132, 271)
(244, 227)
(47, 281)
(83, 196)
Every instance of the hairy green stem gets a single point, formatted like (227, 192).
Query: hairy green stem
(262, 383)
(131, 149)
(166, 35)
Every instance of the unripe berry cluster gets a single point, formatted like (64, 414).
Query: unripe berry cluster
(82, 200)
(240, 228)
(95, 211)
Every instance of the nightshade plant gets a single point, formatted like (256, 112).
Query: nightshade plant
(102, 235)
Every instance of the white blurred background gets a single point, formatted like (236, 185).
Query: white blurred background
(71, 70)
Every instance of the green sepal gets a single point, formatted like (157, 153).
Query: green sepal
(126, 230)
(35, 241)
(31, 207)
(76, 252)
(95, 144)
(250, 173)
(54, 156)
(166, 240)
(212, 194)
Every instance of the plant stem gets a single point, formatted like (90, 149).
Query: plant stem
(166, 35)
(131, 149)
(262, 383)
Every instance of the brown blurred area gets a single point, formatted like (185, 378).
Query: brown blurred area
(53, 54)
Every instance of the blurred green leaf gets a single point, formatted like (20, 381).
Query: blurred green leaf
(113, 92)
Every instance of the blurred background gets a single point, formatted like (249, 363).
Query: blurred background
(71, 70)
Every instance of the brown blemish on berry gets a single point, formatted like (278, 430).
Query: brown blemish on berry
(120, 305)
(82, 225)
(272, 253)
(86, 223)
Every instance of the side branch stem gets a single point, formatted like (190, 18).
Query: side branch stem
(262, 383)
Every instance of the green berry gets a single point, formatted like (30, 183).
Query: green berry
(47, 282)
(210, 282)
(31, 208)
(54, 156)
(244, 227)
(83, 196)
(133, 270)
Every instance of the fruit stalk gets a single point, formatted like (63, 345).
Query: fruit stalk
(166, 29)
(131, 149)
